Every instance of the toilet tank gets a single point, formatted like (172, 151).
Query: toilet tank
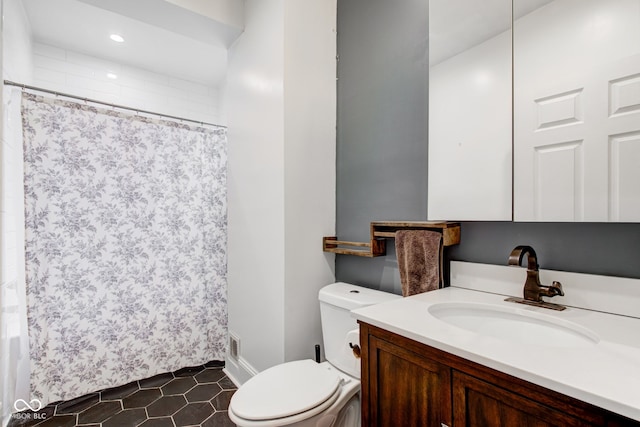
(339, 328)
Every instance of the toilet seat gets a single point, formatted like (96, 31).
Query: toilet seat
(301, 387)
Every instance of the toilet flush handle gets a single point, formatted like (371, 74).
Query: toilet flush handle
(356, 350)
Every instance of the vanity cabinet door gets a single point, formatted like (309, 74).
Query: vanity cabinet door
(402, 388)
(405, 383)
(479, 404)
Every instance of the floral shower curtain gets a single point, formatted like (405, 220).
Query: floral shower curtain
(125, 246)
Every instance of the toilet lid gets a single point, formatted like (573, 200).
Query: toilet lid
(285, 390)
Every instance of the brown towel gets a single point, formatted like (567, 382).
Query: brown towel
(419, 258)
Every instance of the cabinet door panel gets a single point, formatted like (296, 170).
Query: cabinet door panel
(480, 404)
(469, 173)
(407, 389)
(577, 111)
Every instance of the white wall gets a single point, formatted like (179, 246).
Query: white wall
(310, 158)
(281, 114)
(16, 40)
(255, 111)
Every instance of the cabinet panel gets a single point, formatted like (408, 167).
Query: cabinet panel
(480, 404)
(406, 389)
(576, 111)
(469, 172)
(406, 383)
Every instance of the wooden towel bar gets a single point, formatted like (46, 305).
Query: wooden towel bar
(379, 230)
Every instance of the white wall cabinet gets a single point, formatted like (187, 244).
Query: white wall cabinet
(469, 112)
(576, 111)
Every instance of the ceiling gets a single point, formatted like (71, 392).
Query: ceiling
(187, 39)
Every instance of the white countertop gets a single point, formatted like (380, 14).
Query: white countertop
(605, 373)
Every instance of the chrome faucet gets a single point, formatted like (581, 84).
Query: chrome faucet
(533, 289)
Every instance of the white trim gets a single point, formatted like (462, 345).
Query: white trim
(238, 370)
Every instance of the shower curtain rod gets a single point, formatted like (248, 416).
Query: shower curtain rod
(94, 101)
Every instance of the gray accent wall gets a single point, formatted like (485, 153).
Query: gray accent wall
(382, 158)
(382, 126)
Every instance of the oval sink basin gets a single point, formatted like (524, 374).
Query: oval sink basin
(514, 324)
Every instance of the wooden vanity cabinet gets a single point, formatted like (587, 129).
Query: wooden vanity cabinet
(406, 383)
(479, 403)
(404, 388)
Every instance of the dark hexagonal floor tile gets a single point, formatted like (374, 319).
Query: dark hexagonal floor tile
(226, 384)
(178, 386)
(214, 364)
(221, 401)
(203, 392)
(158, 422)
(186, 397)
(219, 419)
(193, 413)
(60, 421)
(128, 417)
(141, 398)
(166, 405)
(211, 375)
(119, 392)
(99, 412)
(156, 381)
(78, 404)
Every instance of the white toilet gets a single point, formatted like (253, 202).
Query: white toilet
(306, 393)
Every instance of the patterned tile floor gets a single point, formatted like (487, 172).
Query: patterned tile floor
(195, 396)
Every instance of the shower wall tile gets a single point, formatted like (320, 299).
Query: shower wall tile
(86, 76)
(91, 62)
(164, 90)
(199, 97)
(51, 76)
(107, 97)
(49, 51)
(144, 100)
(93, 84)
(186, 86)
(145, 75)
(127, 80)
(63, 66)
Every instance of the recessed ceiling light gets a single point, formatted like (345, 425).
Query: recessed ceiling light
(117, 38)
(112, 76)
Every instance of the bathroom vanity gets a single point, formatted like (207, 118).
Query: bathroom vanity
(464, 357)
(406, 383)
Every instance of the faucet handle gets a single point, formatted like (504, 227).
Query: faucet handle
(557, 288)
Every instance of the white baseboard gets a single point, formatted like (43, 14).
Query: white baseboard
(238, 370)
